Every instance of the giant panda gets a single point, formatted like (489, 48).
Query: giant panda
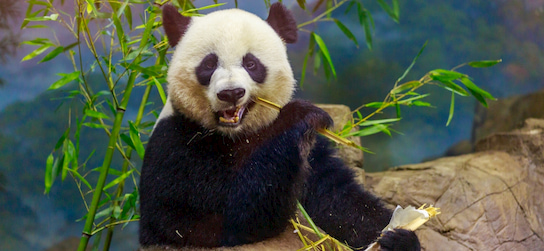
(221, 171)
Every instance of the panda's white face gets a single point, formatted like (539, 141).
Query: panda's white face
(222, 63)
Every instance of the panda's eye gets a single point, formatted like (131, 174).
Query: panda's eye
(206, 68)
(210, 64)
(254, 67)
(250, 65)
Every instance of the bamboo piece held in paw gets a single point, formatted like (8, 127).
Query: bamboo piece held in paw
(325, 132)
(408, 218)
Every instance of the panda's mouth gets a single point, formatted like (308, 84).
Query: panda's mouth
(232, 116)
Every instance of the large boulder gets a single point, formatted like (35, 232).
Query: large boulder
(490, 200)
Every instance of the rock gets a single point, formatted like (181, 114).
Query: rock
(462, 147)
(68, 244)
(525, 141)
(353, 157)
(490, 200)
(507, 114)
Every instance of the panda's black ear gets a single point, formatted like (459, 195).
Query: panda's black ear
(174, 24)
(283, 22)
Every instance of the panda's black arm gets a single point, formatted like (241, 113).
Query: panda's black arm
(261, 198)
(339, 205)
(263, 195)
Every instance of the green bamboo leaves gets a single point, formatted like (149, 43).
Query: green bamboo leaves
(120, 63)
(405, 95)
(321, 55)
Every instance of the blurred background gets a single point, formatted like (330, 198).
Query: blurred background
(32, 119)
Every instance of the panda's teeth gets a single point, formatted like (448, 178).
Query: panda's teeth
(227, 118)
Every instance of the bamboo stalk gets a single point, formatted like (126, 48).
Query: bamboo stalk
(124, 168)
(104, 169)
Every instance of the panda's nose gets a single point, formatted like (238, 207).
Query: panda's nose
(231, 96)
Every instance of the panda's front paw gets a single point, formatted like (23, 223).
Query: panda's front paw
(301, 111)
(399, 240)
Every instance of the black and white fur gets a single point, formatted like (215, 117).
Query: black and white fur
(222, 171)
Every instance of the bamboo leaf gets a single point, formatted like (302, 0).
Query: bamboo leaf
(421, 103)
(81, 178)
(393, 13)
(452, 105)
(302, 4)
(38, 41)
(368, 131)
(66, 78)
(52, 54)
(451, 86)
(68, 155)
(323, 48)
(396, 9)
(484, 63)
(160, 90)
(128, 16)
(379, 121)
(135, 137)
(195, 10)
(412, 64)
(94, 125)
(127, 140)
(474, 88)
(326, 68)
(410, 100)
(139, 52)
(359, 115)
(374, 104)
(366, 27)
(346, 31)
(118, 179)
(445, 75)
(36, 52)
(120, 34)
(57, 165)
(96, 114)
(405, 86)
(91, 8)
(48, 173)
(27, 14)
(52, 17)
(60, 142)
(479, 97)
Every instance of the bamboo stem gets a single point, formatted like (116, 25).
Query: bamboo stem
(104, 169)
(124, 168)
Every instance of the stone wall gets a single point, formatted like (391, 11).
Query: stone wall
(490, 200)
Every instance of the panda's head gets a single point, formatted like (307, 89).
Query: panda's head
(226, 59)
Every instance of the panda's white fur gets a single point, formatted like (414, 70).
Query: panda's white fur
(230, 34)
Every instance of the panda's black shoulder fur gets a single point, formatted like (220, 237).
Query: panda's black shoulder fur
(200, 188)
(217, 191)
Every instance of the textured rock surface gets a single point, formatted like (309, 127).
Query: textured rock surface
(490, 200)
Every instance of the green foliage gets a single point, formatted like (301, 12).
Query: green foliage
(130, 53)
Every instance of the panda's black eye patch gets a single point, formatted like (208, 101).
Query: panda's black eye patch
(254, 67)
(206, 68)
